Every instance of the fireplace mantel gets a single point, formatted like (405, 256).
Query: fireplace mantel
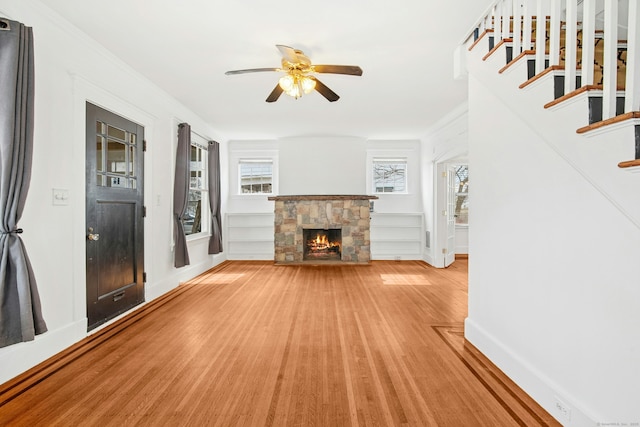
(323, 197)
(295, 213)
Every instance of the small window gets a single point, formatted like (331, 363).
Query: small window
(390, 175)
(256, 176)
(462, 195)
(196, 219)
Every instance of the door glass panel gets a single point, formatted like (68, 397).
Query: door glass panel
(99, 144)
(117, 133)
(132, 161)
(116, 157)
(132, 183)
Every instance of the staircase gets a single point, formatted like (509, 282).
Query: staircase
(574, 36)
(554, 157)
(589, 115)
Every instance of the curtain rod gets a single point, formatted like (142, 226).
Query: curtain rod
(206, 138)
(4, 22)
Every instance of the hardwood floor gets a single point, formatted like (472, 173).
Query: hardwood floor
(252, 343)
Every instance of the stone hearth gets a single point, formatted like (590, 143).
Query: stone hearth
(350, 213)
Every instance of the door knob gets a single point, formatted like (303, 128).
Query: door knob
(92, 236)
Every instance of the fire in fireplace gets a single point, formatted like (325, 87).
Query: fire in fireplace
(322, 245)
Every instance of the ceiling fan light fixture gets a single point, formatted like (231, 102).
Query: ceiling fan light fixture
(296, 85)
(308, 84)
(287, 82)
(299, 78)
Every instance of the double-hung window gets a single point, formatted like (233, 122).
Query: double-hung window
(196, 219)
(390, 175)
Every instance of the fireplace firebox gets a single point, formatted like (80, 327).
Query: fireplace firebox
(322, 245)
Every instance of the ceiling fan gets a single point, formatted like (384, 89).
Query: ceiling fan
(300, 75)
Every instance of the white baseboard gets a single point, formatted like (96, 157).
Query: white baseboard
(537, 385)
(428, 259)
(21, 357)
(159, 288)
(256, 256)
(391, 257)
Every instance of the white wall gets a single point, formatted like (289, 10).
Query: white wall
(554, 299)
(326, 165)
(462, 239)
(70, 70)
(322, 165)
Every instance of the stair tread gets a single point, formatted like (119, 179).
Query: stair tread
(517, 58)
(540, 75)
(480, 37)
(617, 119)
(495, 48)
(570, 95)
(629, 164)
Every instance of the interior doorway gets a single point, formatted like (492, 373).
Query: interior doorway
(452, 212)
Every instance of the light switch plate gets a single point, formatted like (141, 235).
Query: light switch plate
(60, 196)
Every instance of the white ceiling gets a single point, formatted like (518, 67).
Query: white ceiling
(404, 47)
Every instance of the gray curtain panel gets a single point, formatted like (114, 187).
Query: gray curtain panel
(215, 241)
(20, 312)
(181, 195)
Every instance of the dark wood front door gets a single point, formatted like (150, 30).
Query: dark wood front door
(114, 215)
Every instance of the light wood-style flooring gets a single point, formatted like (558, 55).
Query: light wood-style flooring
(256, 344)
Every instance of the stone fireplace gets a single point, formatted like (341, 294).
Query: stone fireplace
(333, 228)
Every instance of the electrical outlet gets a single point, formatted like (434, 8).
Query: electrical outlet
(563, 409)
(397, 258)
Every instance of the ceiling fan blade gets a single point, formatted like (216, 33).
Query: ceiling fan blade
(352, 70)
(275, 94)
(251, 70)
(325, 91)
(288, 53)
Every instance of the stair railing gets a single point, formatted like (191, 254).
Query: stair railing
(513, 20)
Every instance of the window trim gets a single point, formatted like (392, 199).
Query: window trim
(250, 153)
(390, 159)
